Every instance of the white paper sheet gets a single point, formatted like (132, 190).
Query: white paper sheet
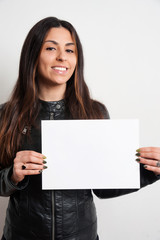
(90, 154)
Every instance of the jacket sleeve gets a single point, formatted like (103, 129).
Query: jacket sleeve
(146, 178)
(7, 187)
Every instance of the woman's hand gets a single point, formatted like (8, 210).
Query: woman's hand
(27, 163)
(150, 157)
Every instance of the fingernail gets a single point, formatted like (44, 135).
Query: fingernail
(45, 167)
(145, 166)
(44, 157)
(40, 171)
(138, 150)
(138, 160)
(44, 162)
(137, 154)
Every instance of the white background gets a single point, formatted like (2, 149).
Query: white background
(121, 41)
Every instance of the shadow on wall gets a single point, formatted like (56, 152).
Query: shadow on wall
(3, 204)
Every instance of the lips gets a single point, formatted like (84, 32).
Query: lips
(60, 69)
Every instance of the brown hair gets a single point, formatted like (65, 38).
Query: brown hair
(22, 108)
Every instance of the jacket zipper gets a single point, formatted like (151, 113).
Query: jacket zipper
(51, 116)
(53, 219)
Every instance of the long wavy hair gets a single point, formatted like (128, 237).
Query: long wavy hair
(23, 106)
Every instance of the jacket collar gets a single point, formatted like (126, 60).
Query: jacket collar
(53, 106)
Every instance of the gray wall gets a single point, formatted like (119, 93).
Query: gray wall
(122, 68)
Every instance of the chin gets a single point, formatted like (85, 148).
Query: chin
(59, 83)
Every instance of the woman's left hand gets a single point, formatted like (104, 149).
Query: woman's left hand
(150, 157)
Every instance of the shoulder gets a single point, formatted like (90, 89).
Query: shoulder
(102, 109)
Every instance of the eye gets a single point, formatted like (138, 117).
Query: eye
(50, 48)
(69, 51)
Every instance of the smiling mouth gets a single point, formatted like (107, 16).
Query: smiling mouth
(61, 69)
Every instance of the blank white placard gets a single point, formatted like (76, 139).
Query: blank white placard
(90, 154)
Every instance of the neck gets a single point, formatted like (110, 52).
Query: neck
(52, 93)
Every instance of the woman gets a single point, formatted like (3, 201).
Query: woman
(50, 86)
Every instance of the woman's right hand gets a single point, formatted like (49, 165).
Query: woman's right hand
(27, 163)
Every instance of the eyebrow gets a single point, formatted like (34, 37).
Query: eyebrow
(56, 43)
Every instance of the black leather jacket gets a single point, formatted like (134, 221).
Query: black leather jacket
(33, 214)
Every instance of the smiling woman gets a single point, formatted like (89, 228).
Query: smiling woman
(56, 63)
(51, 85)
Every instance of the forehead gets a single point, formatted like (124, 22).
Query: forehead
(60, 35)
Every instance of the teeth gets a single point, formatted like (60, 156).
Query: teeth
(60, 68)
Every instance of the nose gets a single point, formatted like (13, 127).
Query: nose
(61, 56)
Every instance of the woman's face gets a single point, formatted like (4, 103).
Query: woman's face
(57, 60)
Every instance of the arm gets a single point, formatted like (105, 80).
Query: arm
(16, 177)
(149, 173)
(7, 187)
(146, 178)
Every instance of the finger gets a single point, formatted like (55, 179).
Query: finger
(149, 155)
(19, 172)
(31, 166)
(31, 172)
(147, 161)
(149, 149)
(33, 159)
(156, 170)
(28, 159)
(31, 153)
